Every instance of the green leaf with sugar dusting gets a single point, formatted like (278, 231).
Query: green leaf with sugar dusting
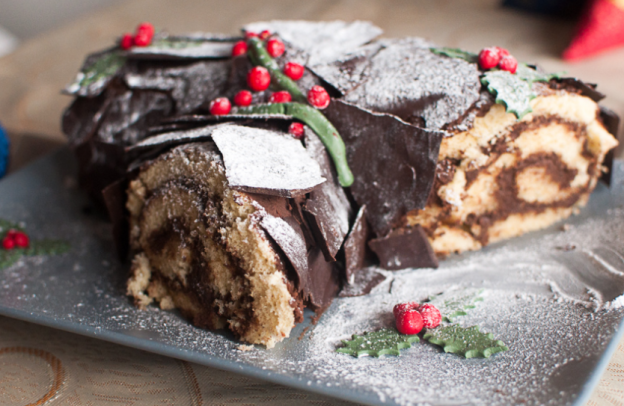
(453, 304)
(467, 342)
(510, 90)
(456, 53)
(377, 343)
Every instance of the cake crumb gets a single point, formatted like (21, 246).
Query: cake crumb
(566, 227)
(245, 348)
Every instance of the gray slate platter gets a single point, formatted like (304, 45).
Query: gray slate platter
(557, 309)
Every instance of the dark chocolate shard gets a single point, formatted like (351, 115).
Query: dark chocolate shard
(586, 89)
(611, 122)
(114, 196)
(365, 281)
(408, 80)
(355, 247)
(322, 41)
(393, 162)
(183, 48)
(191, 86)
(324, 280)
(266, 162)
(404, 248)
(81, 118)
(96, 73)
(327, 208)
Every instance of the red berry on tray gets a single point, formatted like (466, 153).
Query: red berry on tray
(8, 243)
(258, 79)
(251, 34)
(318, 97)
(21, 239)
(489, 58)
(294, 70)
(296, 129)
(431, 315)
(275, 47)
(243, 98)
(280, 97)
(240, 48)
(144, 35)
(401, 307)
(220, 106)
(126, 41)
(409, 322)
(265, 34)
(508, 63)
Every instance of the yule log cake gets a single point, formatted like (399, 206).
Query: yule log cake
(254, 176)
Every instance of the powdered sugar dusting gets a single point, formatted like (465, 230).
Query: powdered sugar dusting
(266, 162)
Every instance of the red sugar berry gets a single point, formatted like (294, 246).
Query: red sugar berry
(280, 97)
(21, 240)
(144, 35)
(258, 79)
(502, 51)
(431, 315)
(489, 58)
(294, 70)
(318, 97)
(265, 34)
(508, 63)
(220, 106)
(8, 243)
(240, 48)
(126, 41)
(243, 98)
(401, 307)
(251, 34)
(296, 129)
(409, 322)
(275, 47)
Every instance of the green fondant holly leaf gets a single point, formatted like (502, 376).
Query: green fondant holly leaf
(452, 306)
(96, 73)
(530, 75)
(467, 342)
(375, 344)
(511, 90)
(456, 53)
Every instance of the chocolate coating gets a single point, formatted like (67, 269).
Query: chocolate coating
(355, 246)
(404, 248)
(365, 281)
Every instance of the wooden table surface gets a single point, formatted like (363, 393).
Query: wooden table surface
(31, 77)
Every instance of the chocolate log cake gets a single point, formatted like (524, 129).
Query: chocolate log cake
(348, 155)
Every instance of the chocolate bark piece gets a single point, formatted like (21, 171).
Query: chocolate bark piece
(183, 48)
(393, 162)
(355, 247)
(324, 280)
(327, 209)
(408, 80)
(322, 41)
(191, 86)
(80, 119)
(404, 248)
(611, 122)
(266, 162)
(365, 281)
(586, 89)
(114, 196)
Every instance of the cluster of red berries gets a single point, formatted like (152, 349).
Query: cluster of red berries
(497, 57)
(411, 317)
(259, 79)
(15, 239)
(141, 38)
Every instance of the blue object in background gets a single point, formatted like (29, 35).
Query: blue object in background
(4, 151)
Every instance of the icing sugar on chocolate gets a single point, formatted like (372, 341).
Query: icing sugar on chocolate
(266, 162)
(393, 162)
(355, 246)
(404, 248)
(364, 282)
(406, 79)
(183, 48)
(327, 208)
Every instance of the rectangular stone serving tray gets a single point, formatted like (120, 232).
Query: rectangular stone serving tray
(554, 306)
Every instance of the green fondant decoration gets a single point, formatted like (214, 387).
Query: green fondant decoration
(377, 343)
(259, 56)
(467, 342)
(40, 247)
(455, 306)
(102, 68)
(530, 75)
(511, 90)
(318, 123)
(456, 53)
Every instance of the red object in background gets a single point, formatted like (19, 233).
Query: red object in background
(259, 79)
(220, 106)
(240, 48)
(21, 239)
(243, 98)
(280, 97)
(296, 129)
(601, 27)
(8, 243)
(294, 70)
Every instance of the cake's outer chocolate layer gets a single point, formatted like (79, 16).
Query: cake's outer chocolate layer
(404, 248)
(325, 280)
(393, 162)
(114, 196)
(355, 246)
(611, 122)
(266, 162)
(365, 281)
(406, 79)
(327, 208)
(584, 88)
